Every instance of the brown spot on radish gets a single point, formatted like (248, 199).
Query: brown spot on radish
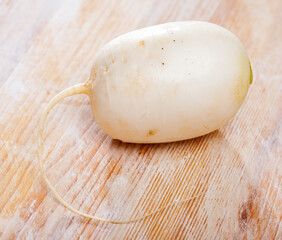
(152, 132)
(142, 43)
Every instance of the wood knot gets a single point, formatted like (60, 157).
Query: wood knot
(247, 211)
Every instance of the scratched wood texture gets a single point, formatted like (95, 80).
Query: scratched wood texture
(48, 45)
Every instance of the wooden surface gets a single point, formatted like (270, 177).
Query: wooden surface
(48, 45)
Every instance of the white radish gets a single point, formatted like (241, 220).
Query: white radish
(163, 83)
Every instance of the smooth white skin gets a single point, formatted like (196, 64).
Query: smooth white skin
(169, 82)
(164, 83)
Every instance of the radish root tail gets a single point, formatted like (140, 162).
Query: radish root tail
(82, 88)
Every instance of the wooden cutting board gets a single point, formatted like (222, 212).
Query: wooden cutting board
(48, 45)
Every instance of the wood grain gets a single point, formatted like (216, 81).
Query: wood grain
(46, 46)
